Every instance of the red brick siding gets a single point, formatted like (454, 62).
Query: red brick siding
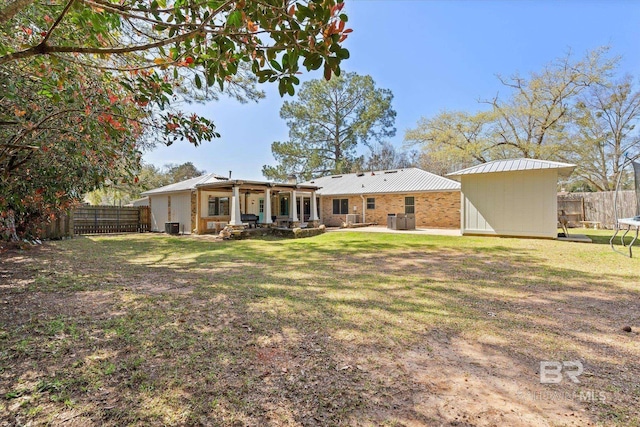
(433, 209)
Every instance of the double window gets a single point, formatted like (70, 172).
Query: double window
(340, 206)
(218, 206)
(409, 205)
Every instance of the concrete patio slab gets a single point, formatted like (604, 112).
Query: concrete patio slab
(380, 229)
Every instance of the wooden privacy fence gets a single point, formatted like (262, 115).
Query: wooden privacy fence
(60, 228)
(573, 209)
(597, 206)
(111, 219)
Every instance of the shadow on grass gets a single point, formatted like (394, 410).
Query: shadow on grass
(601, 237)
(260, 332)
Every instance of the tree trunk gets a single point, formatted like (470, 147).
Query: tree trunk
(10, 223)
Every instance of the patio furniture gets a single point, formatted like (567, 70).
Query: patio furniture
(564, 222)
(401, 221)
(250, 219)
(627, 223)
(593, 224)
(283, 221)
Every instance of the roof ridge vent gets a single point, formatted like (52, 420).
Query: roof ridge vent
(395, 171)
(336, 176)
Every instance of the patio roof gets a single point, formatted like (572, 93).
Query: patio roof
(212, 180)
(186, 185)
(258, 184)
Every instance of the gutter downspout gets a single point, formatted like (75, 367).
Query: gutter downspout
(364, 204)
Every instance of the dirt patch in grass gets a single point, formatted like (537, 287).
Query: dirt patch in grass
(342, 329)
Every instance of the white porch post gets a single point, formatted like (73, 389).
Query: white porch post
(236, 218)
(294, 207)
(314, 207)
(266, 215)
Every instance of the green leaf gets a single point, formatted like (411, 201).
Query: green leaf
(234, 19)
(198, 81)
(275, 65)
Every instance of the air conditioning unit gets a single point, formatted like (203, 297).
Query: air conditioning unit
(172, 227)
(352, 219)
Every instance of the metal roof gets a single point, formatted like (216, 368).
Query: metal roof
(189, 184)
(211, 180)
(409, 180)
(513, 165)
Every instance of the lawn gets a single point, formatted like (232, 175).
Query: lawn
(338, 329)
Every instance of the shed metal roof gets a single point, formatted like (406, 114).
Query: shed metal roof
(409, 180)
(512, 165)
(188, 184)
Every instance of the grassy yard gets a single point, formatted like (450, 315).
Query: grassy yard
(339, 329)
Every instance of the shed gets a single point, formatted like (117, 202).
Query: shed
(515, 197)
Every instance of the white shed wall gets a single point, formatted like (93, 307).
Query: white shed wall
(159, 212)
(522, 203)
(181, 211)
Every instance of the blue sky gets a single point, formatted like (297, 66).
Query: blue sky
(433, 55)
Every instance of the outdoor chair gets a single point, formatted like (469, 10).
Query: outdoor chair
(631, 222)
(563, 219)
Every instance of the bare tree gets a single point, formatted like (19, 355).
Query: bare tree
(604, 131)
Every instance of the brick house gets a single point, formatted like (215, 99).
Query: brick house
(208, 203)
(371, 196)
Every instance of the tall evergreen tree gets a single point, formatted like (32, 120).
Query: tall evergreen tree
(327, 123)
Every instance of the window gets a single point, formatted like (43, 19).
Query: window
(218, 206)
(371, 203)
(340, 206)
(213, 206)
(261, 205)
(409, 205)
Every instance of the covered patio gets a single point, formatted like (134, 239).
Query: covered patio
(242, 204)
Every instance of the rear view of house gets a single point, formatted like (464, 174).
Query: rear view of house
(370, 197)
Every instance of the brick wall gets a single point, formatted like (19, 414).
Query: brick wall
(435, 209)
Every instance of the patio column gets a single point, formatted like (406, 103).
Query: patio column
(266, 215)
(198, 215)
(294, 207)
(236, 217)
(314, 207)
